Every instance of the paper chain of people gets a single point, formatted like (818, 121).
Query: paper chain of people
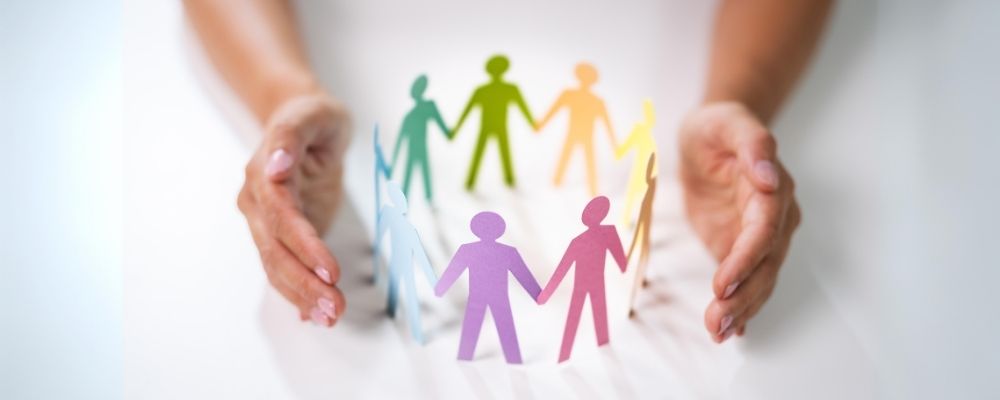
(489, 261)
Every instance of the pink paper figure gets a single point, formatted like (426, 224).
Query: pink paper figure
(488, 263)
(589, 252)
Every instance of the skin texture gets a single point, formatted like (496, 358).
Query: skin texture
(743, 210)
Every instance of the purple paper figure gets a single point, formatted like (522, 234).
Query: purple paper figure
(589, 252)
(488, 263)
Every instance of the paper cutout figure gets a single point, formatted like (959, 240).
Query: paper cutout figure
(641, 139)
(405, 245)
(414, 131)
(493, 99)
(488, 263)
(382, 171)
(588, 251)
(585, 109)
(642, 232)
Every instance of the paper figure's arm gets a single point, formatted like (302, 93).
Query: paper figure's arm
(380, 164)
(615, 246)
(459, 262)
(465, 113)
(557, 277)
(383, 225)
(523, 107)
(603, 115)
(631, 141)
(523, 275)
(560, 102)
(635, 239)
(440, 121)
(425, 263)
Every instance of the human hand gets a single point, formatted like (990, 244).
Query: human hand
(291, 191)
(741, 202)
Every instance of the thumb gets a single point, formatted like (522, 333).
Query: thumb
(757, 154)
(284, 150)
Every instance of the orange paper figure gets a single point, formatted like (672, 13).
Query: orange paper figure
(585, 109)
(642, 234)
(641, 139)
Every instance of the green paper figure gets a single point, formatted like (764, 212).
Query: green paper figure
(494, 98)
(414, 132)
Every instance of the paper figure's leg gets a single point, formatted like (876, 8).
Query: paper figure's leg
(410, 163)
(572, 321)
(640, 273)
(563, 162)
(426, 169)
(477, 156)
(508, 335)
(588, 151)
(635, 186)
(390, 306)
(471, 325)
(413, 309)
(505, 159)
(600, 309)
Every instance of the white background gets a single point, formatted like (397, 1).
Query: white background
(887, 292)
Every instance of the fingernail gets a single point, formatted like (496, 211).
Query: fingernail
(726, 335)
(730, 289)
(766, 172)
(318, 317)
(279, 162)
(327, 307)
(726, 321)
(323, 274)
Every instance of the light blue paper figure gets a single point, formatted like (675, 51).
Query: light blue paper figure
(381, 172)
(405, 245)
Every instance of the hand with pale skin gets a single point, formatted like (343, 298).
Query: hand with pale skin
(740, 201)
(291, 192)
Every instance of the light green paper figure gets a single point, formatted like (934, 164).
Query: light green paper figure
(414, 132)
(641, 139)
(493, 99)
(585, 110)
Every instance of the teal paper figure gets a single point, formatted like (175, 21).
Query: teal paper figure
(382, 171)
(494, 98)
(405, 246)
(414, 132)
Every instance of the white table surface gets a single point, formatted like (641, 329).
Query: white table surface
(200, 320)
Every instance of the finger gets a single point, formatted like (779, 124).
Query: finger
(314, 295)
(754, 307)
(722, 316)
(293, 230)
(757, 152)
(762, 217)
(284, 148)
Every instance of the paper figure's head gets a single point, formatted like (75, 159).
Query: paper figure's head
(595, 211)
(497, 65)
(418, 87)
(586, 73)
(397, 197)
(488, 226)
(647, 112)
(650, 166)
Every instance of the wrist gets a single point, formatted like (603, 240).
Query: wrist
(283, 88)
(753, 94)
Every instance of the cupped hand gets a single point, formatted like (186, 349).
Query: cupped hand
(291, 192)
(740, 201)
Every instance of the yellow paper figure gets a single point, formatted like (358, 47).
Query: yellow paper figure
(585, 108)
(641, 139)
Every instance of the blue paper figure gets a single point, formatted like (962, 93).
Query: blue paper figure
(405, 245)
(381, 172)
